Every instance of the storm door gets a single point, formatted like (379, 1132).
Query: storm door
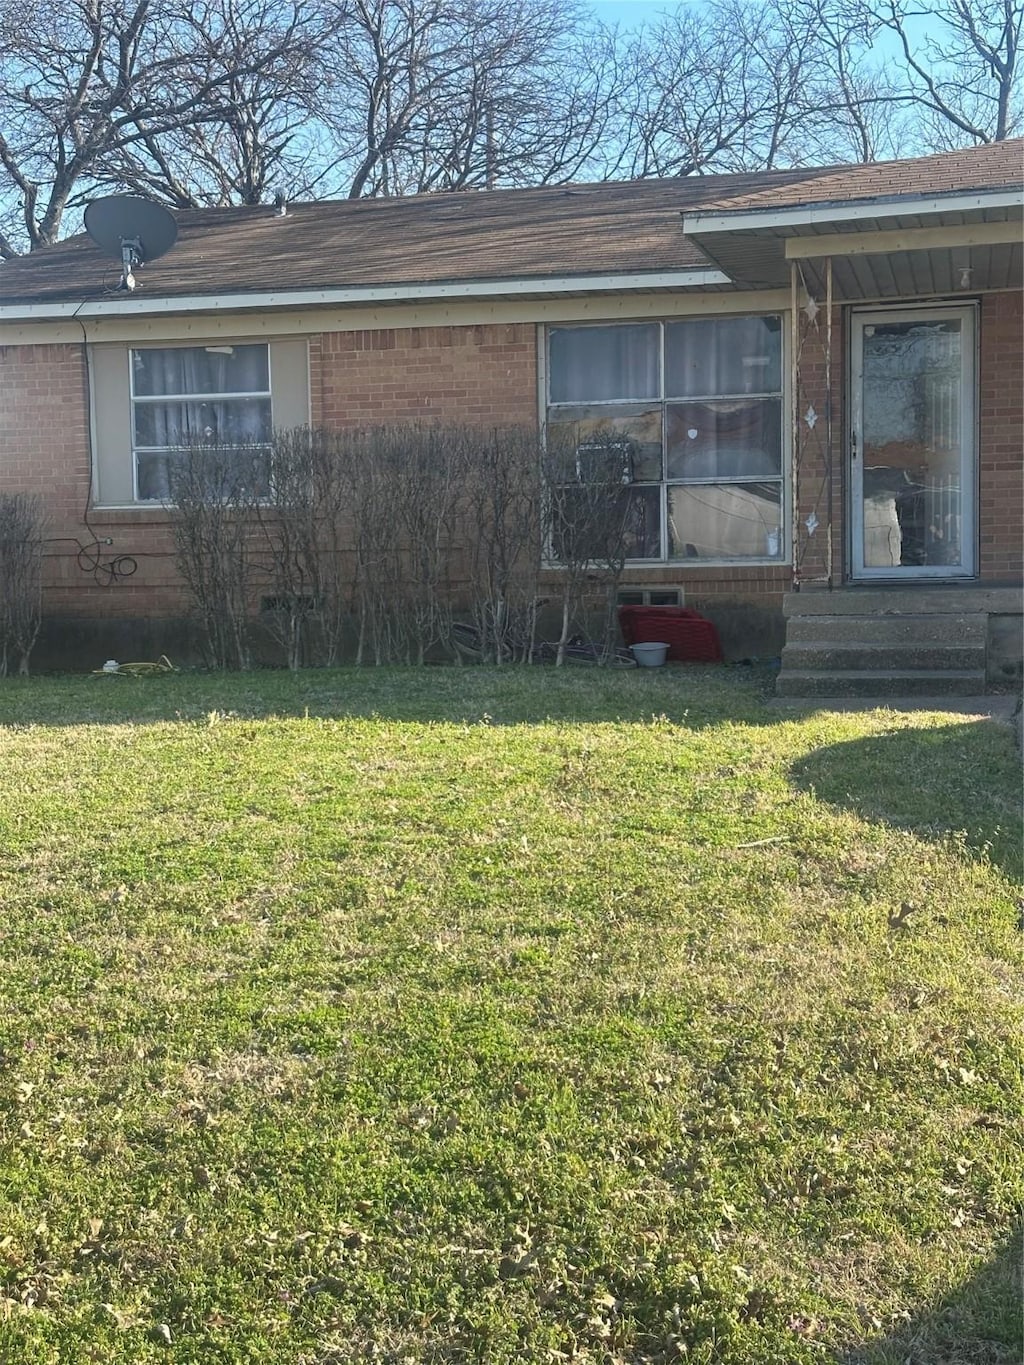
(913, 443)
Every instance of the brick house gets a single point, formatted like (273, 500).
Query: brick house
(818, 371)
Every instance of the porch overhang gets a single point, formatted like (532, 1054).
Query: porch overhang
(903, 247)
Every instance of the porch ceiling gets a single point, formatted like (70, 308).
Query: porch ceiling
(884, 255)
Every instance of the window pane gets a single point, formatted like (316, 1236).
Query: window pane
(227, 475)
(643, 526)
(233, 421)
(590, 526)
(201, 369)
(595, 364)
(725, 521)
(709, 356)
(155, 471)
(741, 439)
(912, 443)
(637, 424)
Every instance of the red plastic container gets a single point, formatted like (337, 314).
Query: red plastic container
(691, 638)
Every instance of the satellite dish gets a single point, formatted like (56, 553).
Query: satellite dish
(131, 229)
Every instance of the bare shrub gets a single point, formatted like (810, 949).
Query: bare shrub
(216, 492)
(591, 515)
(289, 544)
(503, 518)
(370, 472)
(22, 526)
(430, 467)
(305, 555)
(404, 489)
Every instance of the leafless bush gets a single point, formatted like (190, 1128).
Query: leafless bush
(289, 543)
(370, 473)
(431, 470)
(503, 517)
(306, 558)
(404, 488)
(215, 495)
(398, 526)
(591, 510)
(22, 524)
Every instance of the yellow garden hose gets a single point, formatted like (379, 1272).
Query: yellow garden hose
(139, 670)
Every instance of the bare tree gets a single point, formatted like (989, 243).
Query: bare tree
(848, 105)
(227, 101)
(113, 92)
(290, 544)
(959, 66)
(590, 514)
(714, 89)
(429, 467)
(739, 86)
(449, 94)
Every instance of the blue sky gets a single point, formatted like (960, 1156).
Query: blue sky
(629, 13)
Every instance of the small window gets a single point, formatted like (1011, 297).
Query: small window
(650, 597)
(187, 397)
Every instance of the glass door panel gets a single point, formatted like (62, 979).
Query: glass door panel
(912, 444)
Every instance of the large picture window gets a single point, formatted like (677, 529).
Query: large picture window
(698, 405)
(216, 396)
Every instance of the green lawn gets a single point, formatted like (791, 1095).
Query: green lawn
(504, 1016)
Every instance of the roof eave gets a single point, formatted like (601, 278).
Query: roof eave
(137, 305)
(848, 211)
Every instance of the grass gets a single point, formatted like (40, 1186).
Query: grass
(470, 1015)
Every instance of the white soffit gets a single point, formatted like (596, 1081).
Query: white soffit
(848, 211)
(136, 305)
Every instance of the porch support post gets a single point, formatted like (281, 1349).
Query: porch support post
(794, 420)
(829, 453)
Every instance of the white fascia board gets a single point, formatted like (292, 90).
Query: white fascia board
(851, 211)
(132, 305)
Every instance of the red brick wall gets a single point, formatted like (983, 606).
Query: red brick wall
(1002, 436)
(453, 374)
(485, 374)
(44, 448)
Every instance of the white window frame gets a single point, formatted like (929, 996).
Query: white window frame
(782, 395)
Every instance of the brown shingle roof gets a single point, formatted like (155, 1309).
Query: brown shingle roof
(999, 165)
(532, 234)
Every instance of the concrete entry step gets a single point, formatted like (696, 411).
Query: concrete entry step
(907, 656)
(890, 639)
(932, 628)
(925, 682)
(916, 601)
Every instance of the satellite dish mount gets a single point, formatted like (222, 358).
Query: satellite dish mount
(131, 257)
(131, 229)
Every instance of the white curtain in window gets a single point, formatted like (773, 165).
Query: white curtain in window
(723, 357)
(185, 375)
(602, 364)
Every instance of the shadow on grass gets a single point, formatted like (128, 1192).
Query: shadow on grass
(693, 695)
(978, 1323)
(955, 782)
